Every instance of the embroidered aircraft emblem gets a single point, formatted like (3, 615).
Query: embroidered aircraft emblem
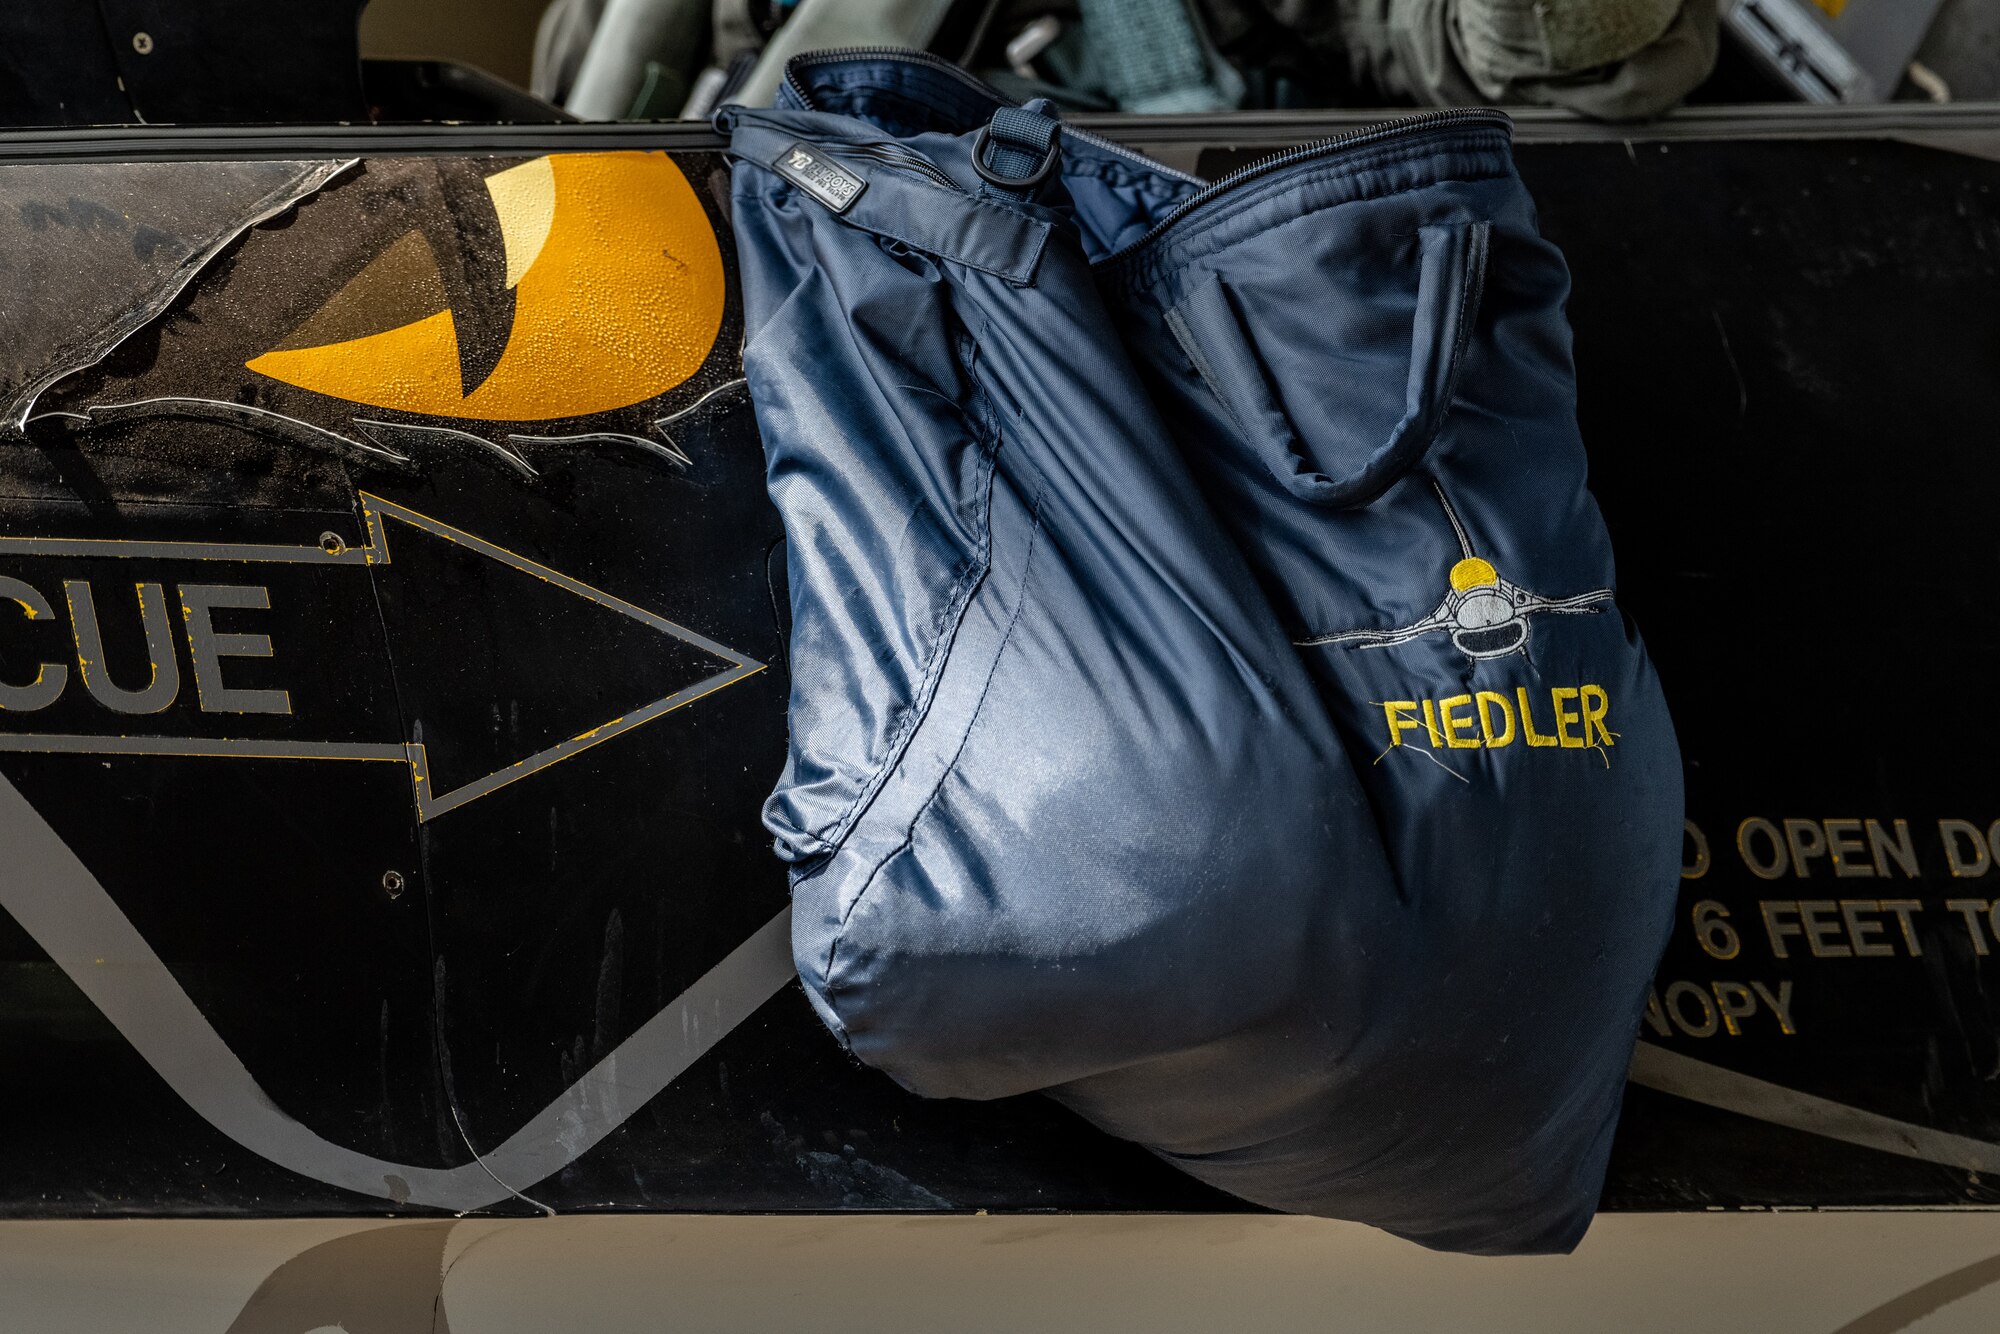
(1485, 615)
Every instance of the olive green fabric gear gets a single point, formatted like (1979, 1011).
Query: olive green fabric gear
(1611, 59)
(1561, 35)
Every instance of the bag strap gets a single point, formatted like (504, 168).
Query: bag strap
(851, 181)
(1451, 275)
(1017, 150)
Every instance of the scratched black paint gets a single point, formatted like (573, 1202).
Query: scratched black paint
(1786, 355)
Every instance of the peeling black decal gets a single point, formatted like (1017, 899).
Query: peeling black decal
(259, 421)
(670, 452)
(86, 351)
(409, 435)
(704, 401)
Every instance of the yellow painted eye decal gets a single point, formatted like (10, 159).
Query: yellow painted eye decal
(618, 295)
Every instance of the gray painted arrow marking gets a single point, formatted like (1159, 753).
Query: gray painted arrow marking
(375, 512)
(1655, 1067)
(62, 905)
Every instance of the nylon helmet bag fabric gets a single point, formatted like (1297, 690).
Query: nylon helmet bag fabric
(1362, 351)
(1448, 1056)
(1062, 807)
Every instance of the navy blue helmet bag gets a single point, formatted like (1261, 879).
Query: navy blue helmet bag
(1210, 704)
(1063, 808)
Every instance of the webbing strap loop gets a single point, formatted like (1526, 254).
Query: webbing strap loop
(1016, 150)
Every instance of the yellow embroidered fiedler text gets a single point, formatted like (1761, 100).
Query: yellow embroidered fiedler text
(1489, 719)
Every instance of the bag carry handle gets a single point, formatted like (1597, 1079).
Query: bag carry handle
(1451, 276)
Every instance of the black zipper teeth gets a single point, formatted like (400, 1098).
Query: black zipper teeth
(930, 61)
(1340, 143)
(896, 158)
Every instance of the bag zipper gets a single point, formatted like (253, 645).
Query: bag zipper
(1396, 129)
(894, 156)
(929, 61)
(1340, 143)
(882, 152)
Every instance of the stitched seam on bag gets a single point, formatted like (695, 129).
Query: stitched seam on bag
(1132, 272)
(1465, 301)
(920, 116)
(931, 117)
(1165, 256)
(1471, 289)
(1035, 226)
(1467, 297)
(944, 630)
(1469, 301)
(1355, 170)
(1116, 171)
(1184, 334)
(1020, 277)
(945, 772)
